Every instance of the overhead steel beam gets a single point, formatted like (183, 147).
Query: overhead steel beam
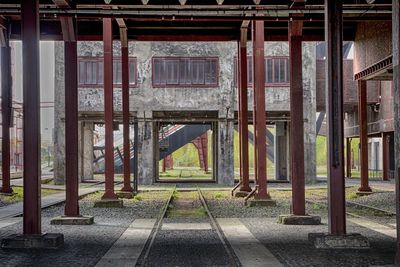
(334, 115)
(31, 117)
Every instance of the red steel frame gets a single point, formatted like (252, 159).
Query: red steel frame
(108, 110)
(242, 112)
(334, 107)
(71, 135)
(125, 118)
(363, 133)
(296, 118)
(6, 103)
(185, 85)
(31, 112)
(259, 119)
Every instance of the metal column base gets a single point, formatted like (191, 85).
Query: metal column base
(328, 241)
(45, 241)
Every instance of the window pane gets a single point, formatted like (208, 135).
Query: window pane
(172, 71)
(90, 72)
(82, 72)
(156, 72)
(276, 71)
(100, 73)
(269, 71)
(117, 74)
(250, 70)
(282, 69)
(132, 72)
(210, 72)
(287, 71)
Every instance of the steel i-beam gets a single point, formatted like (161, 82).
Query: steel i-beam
(348, 157)
(243, 109)
(31, 116)
(385, 155)
(363, 133)
(334, 104)
(6, 106)
(296, 118)
(108, 109)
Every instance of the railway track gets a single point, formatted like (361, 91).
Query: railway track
(233, 261)
(323, 200)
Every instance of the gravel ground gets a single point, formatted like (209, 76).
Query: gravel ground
(84, 245)
(290, 245)
(380, 200)
(187, 248)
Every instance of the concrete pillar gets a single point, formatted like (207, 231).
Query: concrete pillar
(146, 144)
(309, 111)
(225, 174)
(59, 115)
(281, 151)
(87, 151)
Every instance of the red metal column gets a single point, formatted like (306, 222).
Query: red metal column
(204, 147)
(259, 110)
(348, 157)
(363, 133)
(6, 105)
(125, 117)
(31, 116)
(385, 156)
(108, 109)
(296, 118)
(71, 123)
(334, 104)
(243, 109)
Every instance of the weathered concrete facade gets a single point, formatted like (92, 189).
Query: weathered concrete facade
(145, 100)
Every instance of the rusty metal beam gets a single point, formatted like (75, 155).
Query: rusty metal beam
(108, 109)
(243, 111)
(71, 135)
(6, 106)
(31, 117)
(334, 101)
(259, 120)
(363, 133)
(125, 114)
(296, 118)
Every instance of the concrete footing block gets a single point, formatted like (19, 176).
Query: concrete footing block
(262, 203)
(241, 193)
(125, 194)
(66, 220)
(291, 219)
(328, 241)
(364, 193)
(44, 241)
(109, 203)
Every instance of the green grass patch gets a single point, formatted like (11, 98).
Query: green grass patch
(18, 194)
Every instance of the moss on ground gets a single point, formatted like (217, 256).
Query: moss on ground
(18, 194)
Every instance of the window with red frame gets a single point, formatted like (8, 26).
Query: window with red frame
(185, 72)
(276, 71)
(91, 71)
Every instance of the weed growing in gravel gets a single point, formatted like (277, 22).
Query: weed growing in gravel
(218, 195)
(137, 198)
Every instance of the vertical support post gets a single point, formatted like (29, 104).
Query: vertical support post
(259, 119)
(385, 156)
(363, 133)
(396, 97)
(125, 113)
(334, 104)
(348, 157)
(31, 116)
(71, 135)
(6, 106)
(296, 118)
(135, 156)
(108, 109)
(243, 109)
